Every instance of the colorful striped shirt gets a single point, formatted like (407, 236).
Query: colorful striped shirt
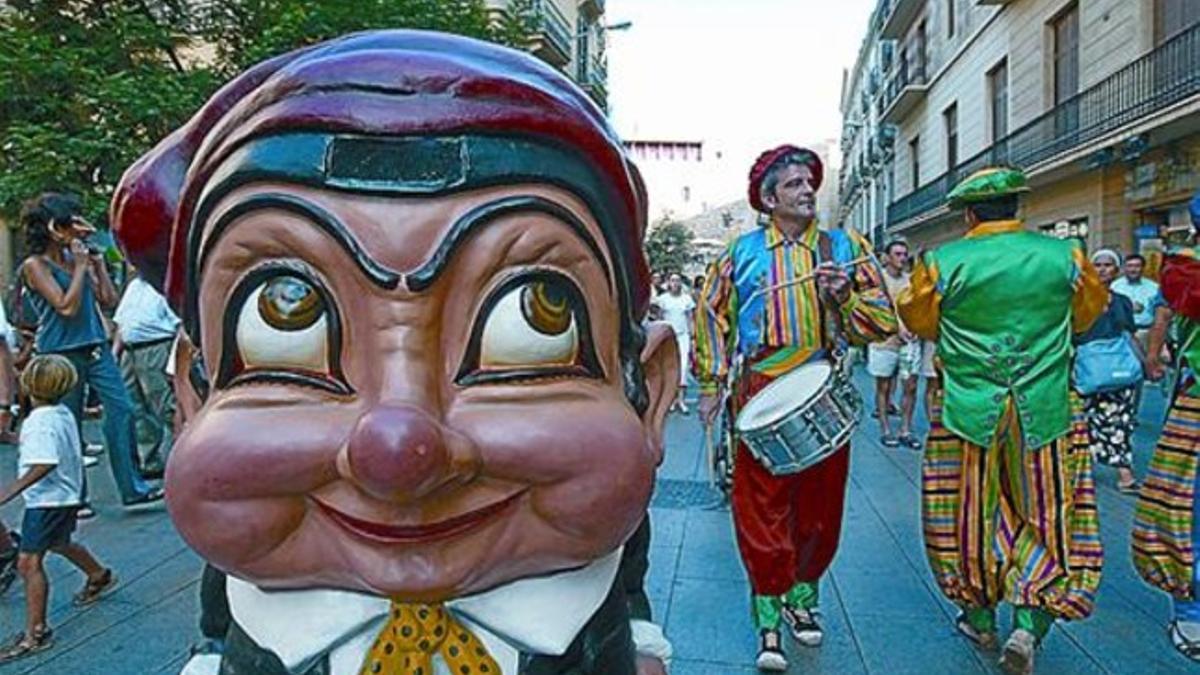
(780, 329)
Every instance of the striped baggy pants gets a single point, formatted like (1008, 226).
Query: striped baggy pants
(1164, 551)
(1006, 523)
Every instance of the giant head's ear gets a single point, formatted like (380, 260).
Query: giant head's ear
(191, 379)
(660, 364)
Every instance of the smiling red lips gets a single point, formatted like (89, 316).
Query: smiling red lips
(407, 534)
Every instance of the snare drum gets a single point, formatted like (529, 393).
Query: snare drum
(800, 419)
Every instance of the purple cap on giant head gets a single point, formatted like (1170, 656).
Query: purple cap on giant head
(295, 114)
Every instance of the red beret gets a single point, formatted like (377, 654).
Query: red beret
(765, 161)
(379, 84)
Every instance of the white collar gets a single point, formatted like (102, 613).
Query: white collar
(539, 615)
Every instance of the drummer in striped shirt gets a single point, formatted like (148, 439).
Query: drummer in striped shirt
(787, 526)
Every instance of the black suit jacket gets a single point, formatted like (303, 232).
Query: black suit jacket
(604, 646)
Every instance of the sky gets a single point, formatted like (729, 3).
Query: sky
(740, 75)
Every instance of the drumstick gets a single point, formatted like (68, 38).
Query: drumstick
(807, 277)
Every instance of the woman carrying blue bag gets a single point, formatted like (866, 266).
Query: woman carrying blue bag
(1108, 369)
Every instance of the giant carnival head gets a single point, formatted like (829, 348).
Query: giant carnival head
(411, 266)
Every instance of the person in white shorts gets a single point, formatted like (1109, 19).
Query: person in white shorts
(677, 307)
(898, 357)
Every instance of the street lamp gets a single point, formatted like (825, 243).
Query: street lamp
(604, 28)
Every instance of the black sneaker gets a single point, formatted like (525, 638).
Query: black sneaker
(804, 626)
(770, 652)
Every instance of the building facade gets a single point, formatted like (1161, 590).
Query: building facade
(864, 186)
(569, 35)
(678, 176)
(1097, 100)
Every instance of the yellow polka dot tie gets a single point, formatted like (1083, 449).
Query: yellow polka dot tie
(414, 633)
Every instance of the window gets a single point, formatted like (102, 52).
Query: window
(918, 72)
(1066, 72)
(998, 87)
(581, 57)
(1066, 54)
(950, 18)
(1172, 17)
(950, 122)
(914, 154)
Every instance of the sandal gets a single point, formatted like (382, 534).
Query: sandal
(95, 589)
(890, 441)
(1189, 648)
(21, 646)
(910, 441)
(149, 497)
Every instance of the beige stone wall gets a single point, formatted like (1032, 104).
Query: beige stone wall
(1112, 34)
(1077, 196)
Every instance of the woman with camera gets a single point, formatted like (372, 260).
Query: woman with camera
(66, 281)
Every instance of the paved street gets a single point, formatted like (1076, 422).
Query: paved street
(882, 612)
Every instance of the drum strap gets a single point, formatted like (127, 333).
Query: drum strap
(831, 318)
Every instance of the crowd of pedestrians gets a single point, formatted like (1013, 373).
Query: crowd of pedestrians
(73, 335)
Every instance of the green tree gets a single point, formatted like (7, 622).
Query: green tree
(669, 246)
(90, 85)
(245, 32)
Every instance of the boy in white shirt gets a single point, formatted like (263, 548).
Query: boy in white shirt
(50, 477)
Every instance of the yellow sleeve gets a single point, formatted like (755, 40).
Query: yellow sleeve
(919, 304)
(1091, 295)
(867, 315)
(714, 321)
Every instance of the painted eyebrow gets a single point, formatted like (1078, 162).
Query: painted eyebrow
(471, 221)
(319, 217)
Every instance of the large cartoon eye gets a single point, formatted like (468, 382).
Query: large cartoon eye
(532, 327)
(284, 325)
(290, 304)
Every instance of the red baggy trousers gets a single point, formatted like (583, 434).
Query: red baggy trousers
(787, 526)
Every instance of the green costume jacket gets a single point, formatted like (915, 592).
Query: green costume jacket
(1002, 304)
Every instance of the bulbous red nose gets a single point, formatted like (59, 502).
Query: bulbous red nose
(398, 453)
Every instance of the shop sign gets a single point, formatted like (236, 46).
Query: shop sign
(1067, 229)
(1177, 172)
(1146, 231)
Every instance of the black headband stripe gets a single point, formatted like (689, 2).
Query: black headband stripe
(407, 166)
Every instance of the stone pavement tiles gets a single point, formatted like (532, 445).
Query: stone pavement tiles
(881, 610)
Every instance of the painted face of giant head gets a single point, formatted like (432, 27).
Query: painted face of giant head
(419, 320)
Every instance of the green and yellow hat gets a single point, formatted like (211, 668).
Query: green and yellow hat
(987, 184)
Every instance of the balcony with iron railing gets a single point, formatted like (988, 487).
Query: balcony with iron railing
(594, 78)
(1158, 80)
(553, 37)
(907, 86)
(898, 15)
